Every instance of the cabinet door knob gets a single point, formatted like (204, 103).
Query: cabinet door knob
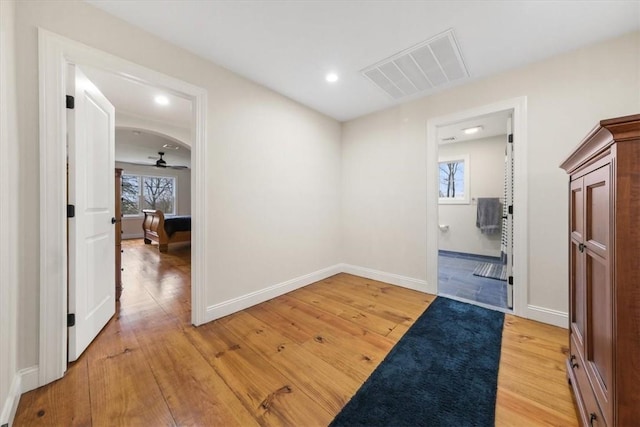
(113, 220)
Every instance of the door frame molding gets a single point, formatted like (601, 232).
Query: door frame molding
(520, 197)
(54, 53)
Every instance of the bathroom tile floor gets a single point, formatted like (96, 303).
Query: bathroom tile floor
(456, 279)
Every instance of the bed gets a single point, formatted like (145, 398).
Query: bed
(163, 230)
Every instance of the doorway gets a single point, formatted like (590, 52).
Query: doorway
(519, 264)
(475, 190)
(56, 53)
(145, 131)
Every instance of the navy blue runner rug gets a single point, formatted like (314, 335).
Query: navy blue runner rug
(443, 372)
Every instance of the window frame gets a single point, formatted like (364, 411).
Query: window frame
(140, 195)
(465, 199)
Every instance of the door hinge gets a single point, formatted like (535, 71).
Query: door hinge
(71, 320)
(71, 211)
(510, 209)
(511, 280)
(510, 137)
(71, 102)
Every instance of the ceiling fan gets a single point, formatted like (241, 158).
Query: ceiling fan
(162, 163)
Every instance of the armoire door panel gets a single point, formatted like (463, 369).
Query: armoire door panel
(599, 354)
(577, 293)
(577, 211)
(597, 225)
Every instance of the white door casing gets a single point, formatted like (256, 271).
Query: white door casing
(509, 202)
(91, 133)
(55, 53)
(520, 231)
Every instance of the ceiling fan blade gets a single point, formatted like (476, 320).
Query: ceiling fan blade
(140, 164)
(179, 167)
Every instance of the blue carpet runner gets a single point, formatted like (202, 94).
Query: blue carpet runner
(443, 372)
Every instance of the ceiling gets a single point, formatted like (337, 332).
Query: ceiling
(289, 46)
(140, 147)
(492, 125)
(137, 99)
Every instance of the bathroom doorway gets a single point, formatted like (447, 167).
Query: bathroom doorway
(475, 205)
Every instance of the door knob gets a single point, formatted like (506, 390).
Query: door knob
(113, 220)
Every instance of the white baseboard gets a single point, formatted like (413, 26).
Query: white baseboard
(23, 381)
(132, 236)
(242, 302)
(547, 315)
(382, 276)
(30, 378)
(11, 403)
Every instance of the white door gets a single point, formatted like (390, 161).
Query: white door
(91, 128)
(509, 202)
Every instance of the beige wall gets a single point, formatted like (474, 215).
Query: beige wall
(132, 226)
(486, 173)
(274, 165)
(8, 211)
(384, 160)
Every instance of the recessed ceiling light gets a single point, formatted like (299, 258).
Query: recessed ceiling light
(170, 146)
(470, 131)
(136, 132)
(162, 100)
(332, 77)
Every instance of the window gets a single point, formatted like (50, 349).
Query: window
(148, 192)
(453, 180)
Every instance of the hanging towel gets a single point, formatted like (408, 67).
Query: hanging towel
(489, 217)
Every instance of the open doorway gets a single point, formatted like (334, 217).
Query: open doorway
(56, 54)
(475, 190)
(518, 266)
(122, 128)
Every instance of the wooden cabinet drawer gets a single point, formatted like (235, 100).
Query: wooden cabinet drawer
(589, 411)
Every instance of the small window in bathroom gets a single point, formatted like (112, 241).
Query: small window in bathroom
(453, 180)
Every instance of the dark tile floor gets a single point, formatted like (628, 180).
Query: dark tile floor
(456, 279)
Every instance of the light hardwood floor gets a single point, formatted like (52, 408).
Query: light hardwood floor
(295, 360)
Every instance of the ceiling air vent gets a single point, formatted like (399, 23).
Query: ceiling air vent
(423, 67)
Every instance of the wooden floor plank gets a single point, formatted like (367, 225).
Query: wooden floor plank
(195, 393)
(323, 383)
(122, 386)
(293, 360)
(60, 403)
(271, 397)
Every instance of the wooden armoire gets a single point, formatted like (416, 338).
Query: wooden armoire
(604, 273)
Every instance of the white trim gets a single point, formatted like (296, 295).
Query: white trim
(29, 378)
(547, 315)
(383, 276)
(242, 302)
(23, 381)
(8, 215)
(132, 236)
(518, 106)
(10, 405)
(55, 52)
